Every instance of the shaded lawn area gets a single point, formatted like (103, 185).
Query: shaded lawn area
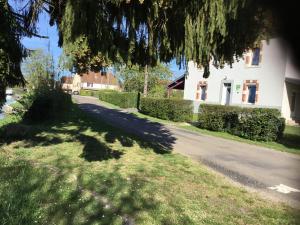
(81, 171)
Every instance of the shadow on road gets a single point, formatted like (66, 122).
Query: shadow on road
(154, 134)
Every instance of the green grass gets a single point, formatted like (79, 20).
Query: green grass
(79, 170)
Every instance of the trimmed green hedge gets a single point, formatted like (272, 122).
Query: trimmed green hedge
(121, 99)
(94, 93)
(167, 109)
(260, 124)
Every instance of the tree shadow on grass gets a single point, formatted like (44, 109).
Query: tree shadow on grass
(145, 132)
(65, 193)
(73, 127)
(45, 194)
(94, 150)
(291, 141)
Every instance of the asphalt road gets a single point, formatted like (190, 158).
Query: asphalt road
(272, 174)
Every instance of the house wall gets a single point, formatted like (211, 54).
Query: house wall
(99, 86)
(76, 83)
(288, 91)
(291, 71)
(269, 74)
(65, 86)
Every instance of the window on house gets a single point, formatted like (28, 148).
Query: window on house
(90, 84)
(255, 56)
(293, 103)
(251, 93)
(203, 92)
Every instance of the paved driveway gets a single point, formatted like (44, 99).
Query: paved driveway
(269, 172)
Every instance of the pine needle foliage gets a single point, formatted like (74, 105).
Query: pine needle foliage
(144, 32)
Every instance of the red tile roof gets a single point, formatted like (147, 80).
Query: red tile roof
(99, 78)
(67, 80)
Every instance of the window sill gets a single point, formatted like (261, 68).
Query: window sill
(247, 103)
(246, 66)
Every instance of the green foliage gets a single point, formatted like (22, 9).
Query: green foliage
(48, 105)
(43, 104)
(94, 93)
(158, 91)
(38, 70)
(133, 78)
(177, 94)
(78, 56)
(261, 124)
(11, 50)
(167, 109)
(121, 99)
(148, 31)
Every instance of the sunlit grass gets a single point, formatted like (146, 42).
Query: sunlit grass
(82, 171)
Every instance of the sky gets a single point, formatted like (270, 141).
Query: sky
(51, 44)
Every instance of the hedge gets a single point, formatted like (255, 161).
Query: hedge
(121, 99)
(260, 124)
(94, 93)
(167, 109)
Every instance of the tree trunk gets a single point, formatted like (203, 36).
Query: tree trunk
(146, 75)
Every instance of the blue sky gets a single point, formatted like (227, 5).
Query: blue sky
(51, 44)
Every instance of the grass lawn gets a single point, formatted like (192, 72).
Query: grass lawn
(81, 171)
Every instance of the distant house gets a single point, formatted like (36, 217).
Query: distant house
(98, 81)
(71, 84)
(264, 77)
(92, 81)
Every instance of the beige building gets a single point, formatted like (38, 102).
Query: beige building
(89, 81)
(71, 84)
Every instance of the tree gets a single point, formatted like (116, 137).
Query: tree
(11, 50)
(143, 32)
(79, 58)
(38, 70)
(15, 24)
(133, 80)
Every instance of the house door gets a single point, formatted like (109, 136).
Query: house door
(295, 106)
(226, 94)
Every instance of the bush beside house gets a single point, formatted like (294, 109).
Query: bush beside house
(167, 109)
(121, 99)
(260, 124)
(94, 93)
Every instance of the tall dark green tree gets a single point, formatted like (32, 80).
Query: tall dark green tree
(144, 32)
(11, 50)
(15, 24)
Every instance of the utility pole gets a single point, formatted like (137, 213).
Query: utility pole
(146, 75)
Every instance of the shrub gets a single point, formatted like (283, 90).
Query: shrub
(48, 105)
(167, 109)
(94, 93)
(121, 99)
(261, 124)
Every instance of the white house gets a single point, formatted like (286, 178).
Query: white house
(90, 81)
(264, 77)
(98, 81)
(71, 84)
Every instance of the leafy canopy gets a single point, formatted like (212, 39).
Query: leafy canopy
(133, 80)
(144, 32)
(11, 50)
(38, 70)
(15, 24)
